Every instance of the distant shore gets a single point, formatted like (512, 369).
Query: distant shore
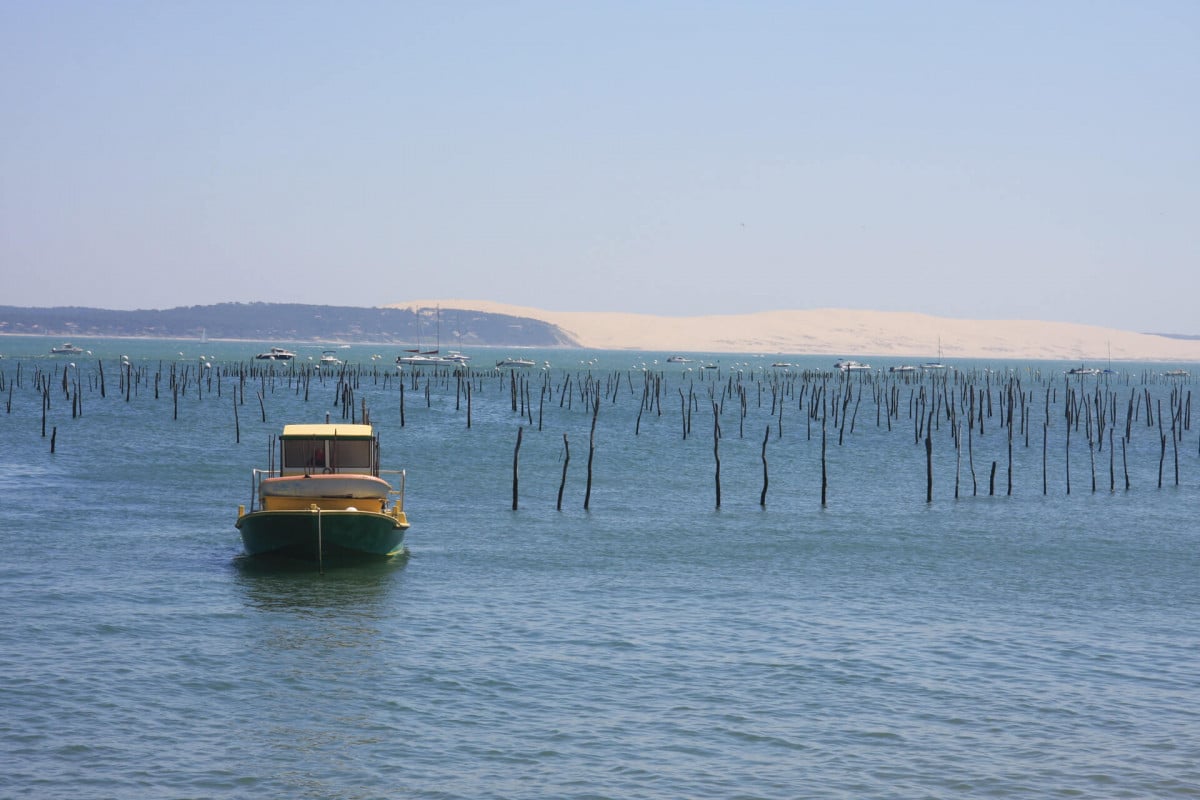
(849, 333)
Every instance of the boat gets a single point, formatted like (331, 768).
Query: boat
(328, 359)
(846, 365)
(326, 498)
(66, 348)
(933, 365)
(678, 360)
(1176, 373)
(515, 362)
(902, 368)
(432, 358)
(454, 358)
(1083, 371)
(276, 354)
(782, 365)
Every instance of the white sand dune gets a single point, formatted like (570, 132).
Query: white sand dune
(850, 333)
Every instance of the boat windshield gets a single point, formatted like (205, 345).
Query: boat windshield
(340, 455)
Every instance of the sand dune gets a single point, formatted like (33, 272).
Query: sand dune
(850, 333)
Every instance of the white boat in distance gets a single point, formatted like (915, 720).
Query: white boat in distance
(433, 359)
(276, 354)
(678, 360)
(846, 365)
(66, 348)
(515, 362)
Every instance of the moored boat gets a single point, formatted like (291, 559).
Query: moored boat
(678, 360)
(515, 362)
(66, 348)
(325, 498)
(276, 354)
(433, 358)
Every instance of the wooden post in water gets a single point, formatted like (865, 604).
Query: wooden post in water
(683, 413)
(566, 460)
(587, 497)
(957, 454)
(716, 450)
(516, 454)
(237, 428)
(762, 498)
(1112, 464)
(824, 474)
(1068, 447)
(929, 460)
(1010, 438)
(1125, 465)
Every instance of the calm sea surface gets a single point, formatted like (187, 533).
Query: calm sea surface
(1033, 644)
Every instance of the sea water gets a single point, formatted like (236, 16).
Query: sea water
(655, 645)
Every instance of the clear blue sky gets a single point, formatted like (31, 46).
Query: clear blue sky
(991, 160)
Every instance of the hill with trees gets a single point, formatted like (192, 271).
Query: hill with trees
(292, 322)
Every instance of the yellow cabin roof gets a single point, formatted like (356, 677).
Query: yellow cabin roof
(326, 431)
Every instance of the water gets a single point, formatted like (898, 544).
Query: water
(652, 646)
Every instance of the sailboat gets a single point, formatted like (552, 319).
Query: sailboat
(935, 364)
(432, 358)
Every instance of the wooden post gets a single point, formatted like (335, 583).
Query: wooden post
(566, 460)
(762, 498)
(516, 454)
(1068, 447)
(1125, 465)
(683, 412)
(824, 474)
(957, 454)
(587, 497)
(716, 450)
(929, 460)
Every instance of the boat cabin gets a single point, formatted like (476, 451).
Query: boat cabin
(327, 448)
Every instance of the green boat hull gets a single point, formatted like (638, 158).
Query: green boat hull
(307, 534)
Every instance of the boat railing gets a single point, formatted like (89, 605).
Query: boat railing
(397, 493)
(256, 476)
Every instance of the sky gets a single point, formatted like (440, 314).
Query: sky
(975, 160)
